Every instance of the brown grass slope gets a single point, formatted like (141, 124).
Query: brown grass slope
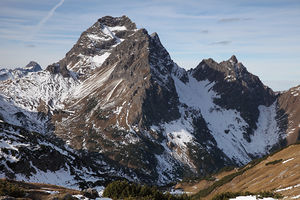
(278, 173)
(34, 191)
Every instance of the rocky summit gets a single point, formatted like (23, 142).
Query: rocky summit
(117, 106)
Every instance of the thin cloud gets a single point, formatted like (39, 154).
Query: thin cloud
(30, 45)
(225, 42)
(204, 31)
(20, 13)
(12, 20)
(233, 19)
(46, 18)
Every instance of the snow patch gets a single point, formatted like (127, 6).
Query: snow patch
(50, 191)
(99, 60)
(251, 198)
(230, 78)
(96, 37)
(106, 31)
(79, 196)
(4, 144)
(61, 177)
(177, 132)
(117, 28)
(288, 188)
(177, 192)
(288, 160)
(296, 197)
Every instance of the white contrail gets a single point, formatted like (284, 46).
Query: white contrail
(45, 19)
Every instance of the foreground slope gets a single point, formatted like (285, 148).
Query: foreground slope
(120, 103)
(277, 173)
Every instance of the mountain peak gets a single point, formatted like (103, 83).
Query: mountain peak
(117, 21)
(233, 59)
(229, 67)
(154, 35)
(33, 66)
(95, 45)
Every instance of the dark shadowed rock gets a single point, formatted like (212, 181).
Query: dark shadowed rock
(90, 193)
(117, 21)
(58, 68)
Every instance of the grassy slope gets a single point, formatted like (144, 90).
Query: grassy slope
(41, 191)
(276, 175)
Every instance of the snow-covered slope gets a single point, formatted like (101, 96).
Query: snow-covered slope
(23, 100)
(35, 157)
(226, 125)
(118, 97)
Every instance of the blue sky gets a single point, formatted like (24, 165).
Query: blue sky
(263, 34)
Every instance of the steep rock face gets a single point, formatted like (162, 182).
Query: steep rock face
(289, 102)
(239, 89)
(117, 97)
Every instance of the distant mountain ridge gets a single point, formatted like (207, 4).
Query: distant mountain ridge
(121, 105)
(19, 72)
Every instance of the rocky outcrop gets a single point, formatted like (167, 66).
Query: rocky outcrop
(59, 68)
